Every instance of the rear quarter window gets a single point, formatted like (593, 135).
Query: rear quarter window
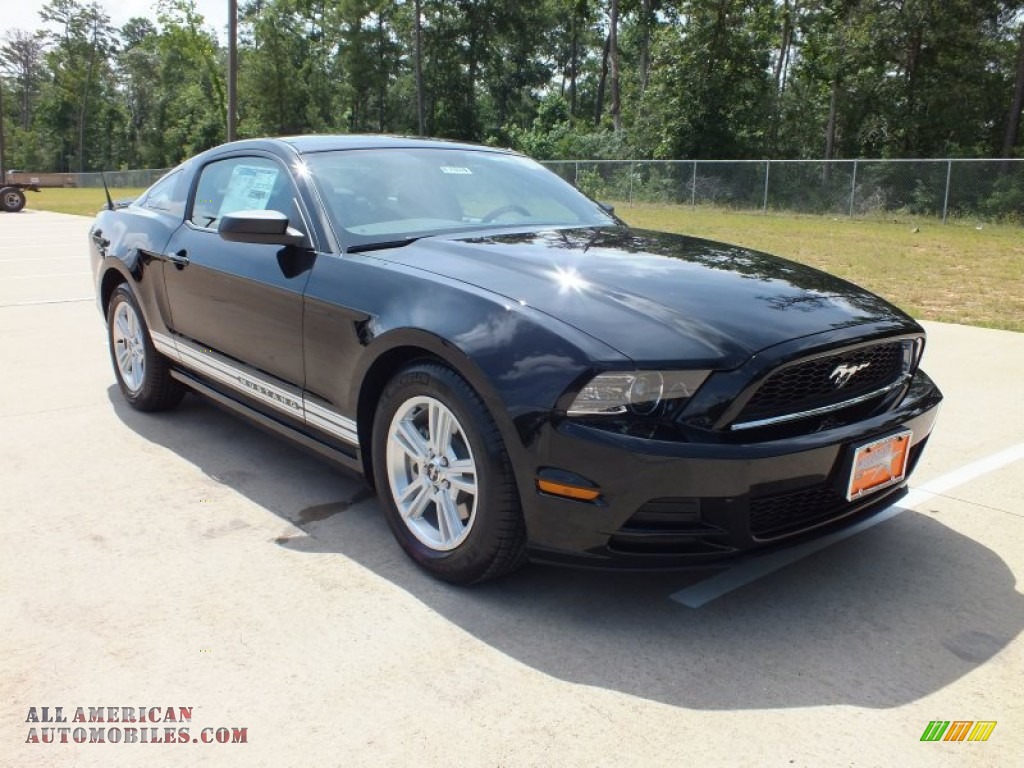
(168, 195)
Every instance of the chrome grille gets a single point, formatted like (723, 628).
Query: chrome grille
(815, 383)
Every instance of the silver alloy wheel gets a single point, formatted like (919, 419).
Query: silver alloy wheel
(432, 473)
(129, 346)
(12, 199)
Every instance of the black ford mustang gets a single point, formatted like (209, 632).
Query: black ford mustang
(517, 372)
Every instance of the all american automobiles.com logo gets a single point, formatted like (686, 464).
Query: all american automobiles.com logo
(124, 725)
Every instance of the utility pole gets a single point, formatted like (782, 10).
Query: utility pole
(418, 27)
(232, 69)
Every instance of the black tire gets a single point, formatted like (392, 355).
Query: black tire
(496, 540)
(12, 199)
(157, 390)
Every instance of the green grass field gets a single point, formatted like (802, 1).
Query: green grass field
(957, 273)
(82, 202)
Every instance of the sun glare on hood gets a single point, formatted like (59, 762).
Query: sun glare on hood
(569, 280)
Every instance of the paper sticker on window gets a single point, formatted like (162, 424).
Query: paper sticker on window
(456, 170)
(249, 189)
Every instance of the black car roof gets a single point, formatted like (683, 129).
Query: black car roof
(320, 143)
(325, 143)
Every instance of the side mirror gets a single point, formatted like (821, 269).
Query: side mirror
(266, 227)
(607, 207)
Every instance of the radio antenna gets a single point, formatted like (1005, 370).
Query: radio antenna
(106, 189)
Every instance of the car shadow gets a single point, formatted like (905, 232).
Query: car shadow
(878, 620)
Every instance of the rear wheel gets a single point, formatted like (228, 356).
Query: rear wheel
(143, 374)
(445, 478)
(12, 199)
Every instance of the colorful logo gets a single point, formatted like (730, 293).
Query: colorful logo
(958, 730)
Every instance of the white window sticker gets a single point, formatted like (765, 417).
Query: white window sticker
(458, 171)
(249, 189)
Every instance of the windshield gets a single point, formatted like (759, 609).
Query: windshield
(386, 195)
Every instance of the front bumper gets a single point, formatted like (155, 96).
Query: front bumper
(668, 504)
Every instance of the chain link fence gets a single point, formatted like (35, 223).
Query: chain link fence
(978, 189)
(968, 189)
(120, 179)
(139, 179)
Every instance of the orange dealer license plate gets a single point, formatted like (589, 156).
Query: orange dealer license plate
(878, 465)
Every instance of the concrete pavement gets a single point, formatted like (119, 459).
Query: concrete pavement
(187, 559)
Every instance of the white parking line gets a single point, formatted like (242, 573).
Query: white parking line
(15, 241)
(34, 246)
(56, 274)
(47, 301)
(41, 258)
(750, 570)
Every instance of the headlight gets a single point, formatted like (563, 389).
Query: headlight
(639, 392)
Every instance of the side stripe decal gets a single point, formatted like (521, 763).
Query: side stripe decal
(283, 398)
(164, 344)
(330, 421)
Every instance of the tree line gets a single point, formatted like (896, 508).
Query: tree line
(719, 79)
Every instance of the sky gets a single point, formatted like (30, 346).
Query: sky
(24, 14)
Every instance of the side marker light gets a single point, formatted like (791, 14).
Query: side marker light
(567, 491)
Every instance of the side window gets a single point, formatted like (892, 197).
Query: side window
(242, 184)
(167, 195)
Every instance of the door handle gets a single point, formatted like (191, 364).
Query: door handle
(179, 259)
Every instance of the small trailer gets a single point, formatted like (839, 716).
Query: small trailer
(12, 195)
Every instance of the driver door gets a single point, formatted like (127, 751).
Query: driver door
(241, 300)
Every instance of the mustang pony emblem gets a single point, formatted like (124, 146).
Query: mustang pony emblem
(842, 374)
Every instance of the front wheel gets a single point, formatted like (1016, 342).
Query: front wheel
(445, 478)
(143, 374)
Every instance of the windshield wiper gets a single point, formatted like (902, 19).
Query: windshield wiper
(381, 246)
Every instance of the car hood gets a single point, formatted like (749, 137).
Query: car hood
(656, 297)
